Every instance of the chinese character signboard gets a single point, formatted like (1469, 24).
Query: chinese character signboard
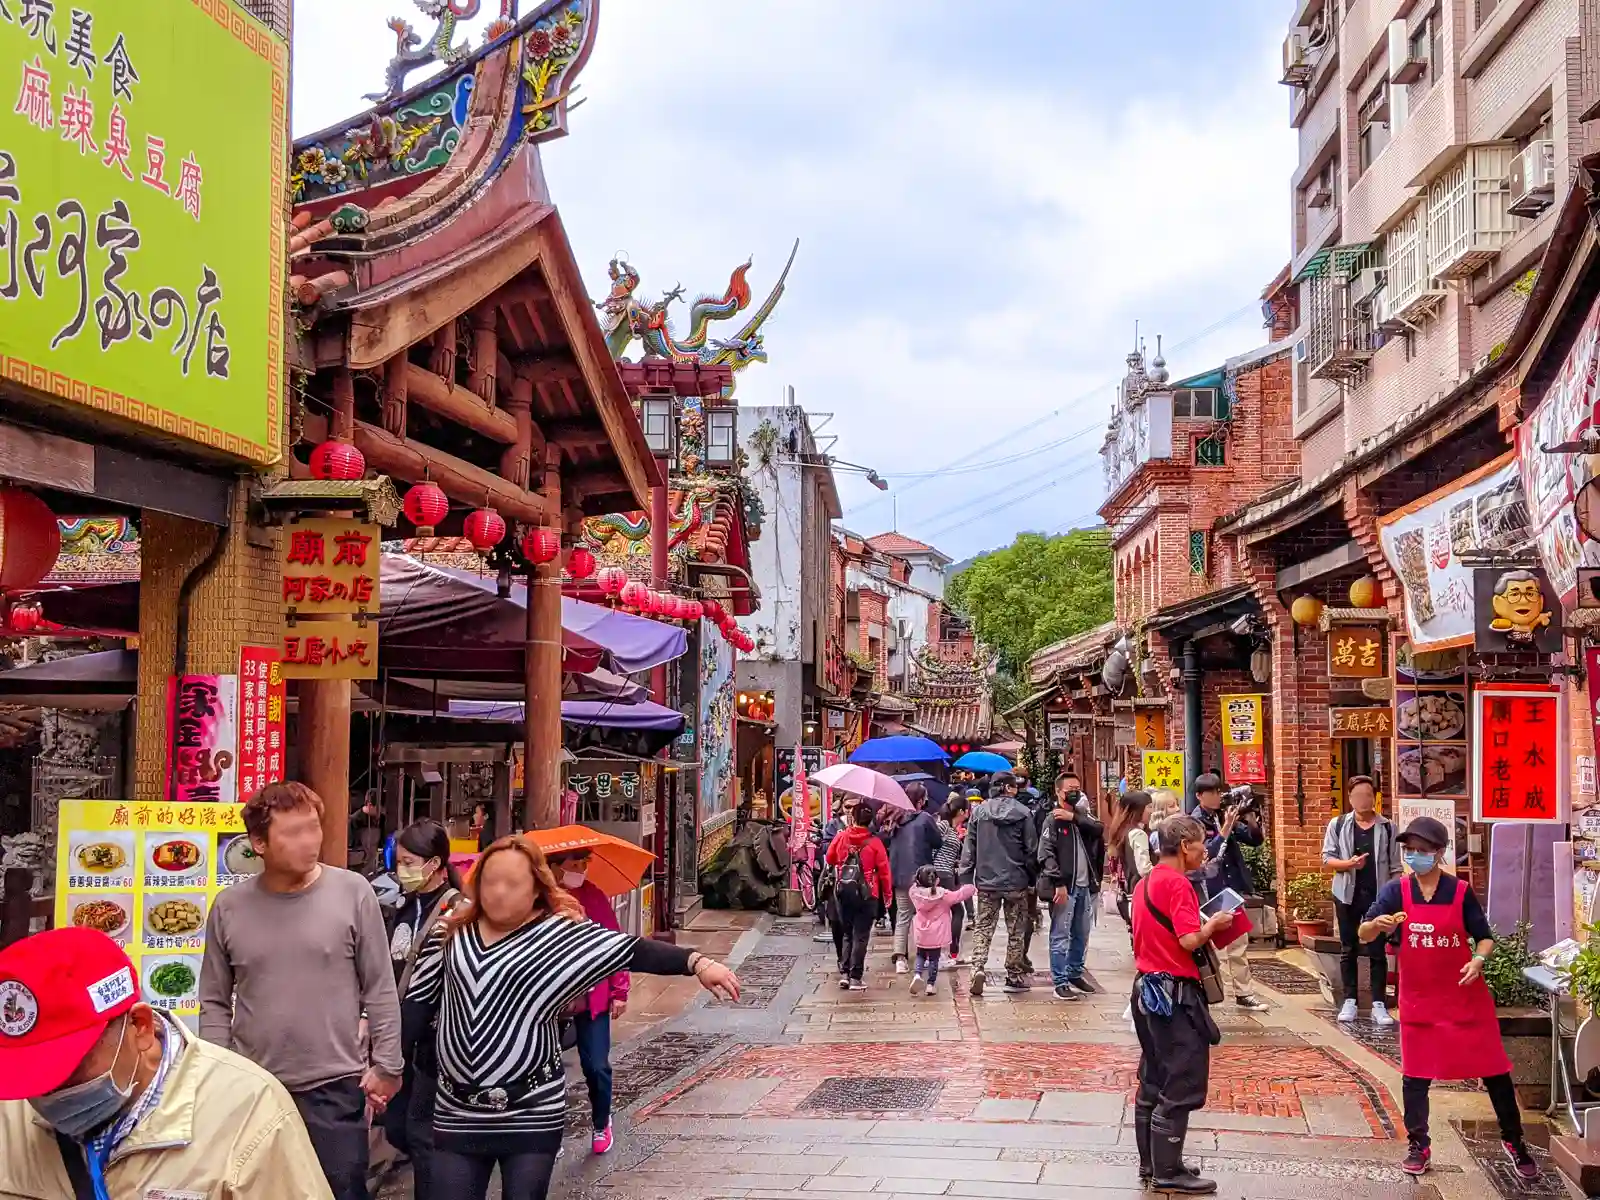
(202, 719)
(1520, 765)
(1355, 652)
(261, 719)
(1150, 728)
(141, 219)
(1243, 740)
(1361, 722)
(1516, 610)
(1409, 809)
(783, 769)
(330, 569)
(146, 874)
(1060, 731)
(1428, 541)
(1163, 769)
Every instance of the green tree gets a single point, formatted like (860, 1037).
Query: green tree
(1036, 591)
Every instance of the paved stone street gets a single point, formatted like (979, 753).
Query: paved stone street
(806, 1091)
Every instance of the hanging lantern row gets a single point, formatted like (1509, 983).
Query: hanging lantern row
(425, 505)
(485, 529)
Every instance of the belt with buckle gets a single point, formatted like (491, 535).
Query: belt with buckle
(501, 1096)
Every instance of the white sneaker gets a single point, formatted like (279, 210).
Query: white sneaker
(900, 967)
(1380, 1014)
(1347, 1011)
(918, 985)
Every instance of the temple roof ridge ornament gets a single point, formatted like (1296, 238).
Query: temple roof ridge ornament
(625, 317)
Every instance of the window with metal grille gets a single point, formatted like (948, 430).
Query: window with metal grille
(1210, 451)
(1197, 551)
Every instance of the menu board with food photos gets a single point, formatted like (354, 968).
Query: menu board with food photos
(1432, 722)
(145, 873)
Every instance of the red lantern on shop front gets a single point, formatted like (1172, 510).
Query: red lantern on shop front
(337, 460)
(425, 505)
(713, 611)
(485, 529)
(580, 563)
(634, 594)
(695, 610)
(612, 580)
(26, 616)
(30, 539)
(541, 545)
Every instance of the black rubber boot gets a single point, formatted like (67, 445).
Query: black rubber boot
(1141, 1138)
(1166, 1157)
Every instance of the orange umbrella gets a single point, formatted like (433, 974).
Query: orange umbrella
(616, 866)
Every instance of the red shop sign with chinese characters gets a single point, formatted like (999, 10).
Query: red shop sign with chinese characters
(1519, 753)
(262, 697)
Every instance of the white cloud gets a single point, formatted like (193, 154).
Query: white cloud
(975, 249)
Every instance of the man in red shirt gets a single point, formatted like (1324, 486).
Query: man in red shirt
(861, 883)
(1169, 1007)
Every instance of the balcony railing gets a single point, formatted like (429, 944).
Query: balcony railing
(1468, 212)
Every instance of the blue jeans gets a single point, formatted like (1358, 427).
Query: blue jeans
(928, 964)
(1069, 935)
(594, 1054)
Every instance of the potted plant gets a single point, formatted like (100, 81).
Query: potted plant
(1520, 1007)
(1263, 904)
(1307, 898)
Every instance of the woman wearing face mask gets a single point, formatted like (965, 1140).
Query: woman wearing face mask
(430, 886)
(1448, 1028)
(499, 973)
(591, 1017)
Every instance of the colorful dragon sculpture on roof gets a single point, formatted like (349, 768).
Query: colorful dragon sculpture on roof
(411, 53)
(625, 317)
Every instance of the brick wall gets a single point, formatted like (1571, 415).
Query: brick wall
(1408, 373)
(1323, 448)
(237, 605)
(1532, 59)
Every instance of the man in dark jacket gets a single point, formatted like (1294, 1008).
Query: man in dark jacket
(914, 839)
(1072, 851)
(999, 856)
(1226, 831)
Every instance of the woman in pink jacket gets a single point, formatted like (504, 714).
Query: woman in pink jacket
(592, 1014)
(930, 927)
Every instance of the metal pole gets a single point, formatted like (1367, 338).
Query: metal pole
(1193, 724)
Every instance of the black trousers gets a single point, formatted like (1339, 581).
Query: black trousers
(335, 1115)
(1502, 1094)
(419, 1131)
(1351, 951)
(857, 921)
(466, 1176)
(1174, 1059)
(958, 912)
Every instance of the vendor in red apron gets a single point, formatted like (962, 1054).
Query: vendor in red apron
(1448, 1028)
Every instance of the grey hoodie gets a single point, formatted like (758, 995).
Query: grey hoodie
(1002, 846)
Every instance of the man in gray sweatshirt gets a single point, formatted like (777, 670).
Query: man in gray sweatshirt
(295, 959)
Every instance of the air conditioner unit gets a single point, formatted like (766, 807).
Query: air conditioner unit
(1402, 67)
(1296, 61)
(1365, 286)
(1533, 179)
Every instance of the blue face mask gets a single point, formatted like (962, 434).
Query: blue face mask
(80, 1110)
(1422, 861)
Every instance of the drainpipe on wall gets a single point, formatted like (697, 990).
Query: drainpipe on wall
(1192, 721)
(197, 575)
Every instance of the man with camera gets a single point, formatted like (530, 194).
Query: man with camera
(1231, 821)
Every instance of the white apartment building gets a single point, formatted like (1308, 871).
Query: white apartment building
(1436, 139)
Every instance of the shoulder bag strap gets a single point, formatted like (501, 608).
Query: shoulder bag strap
(446, 902)
(77, 1169)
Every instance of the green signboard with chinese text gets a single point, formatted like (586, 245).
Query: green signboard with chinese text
(141, 214)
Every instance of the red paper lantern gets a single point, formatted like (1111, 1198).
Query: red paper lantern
(695, 610)
(337, 460)
(580, 563)
(541, 545)
(677, 607)
(634, 594)
(612, 580)
(425, 505)
(713, 611)
(485, 529)
(26, 616)
(30, 539)
(653, 602)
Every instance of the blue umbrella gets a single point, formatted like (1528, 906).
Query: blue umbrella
(984, 762)
(938, 791)
(898, 750)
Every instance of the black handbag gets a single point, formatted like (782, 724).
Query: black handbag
(1205, 958)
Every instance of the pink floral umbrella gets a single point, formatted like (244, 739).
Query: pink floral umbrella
(864, 782)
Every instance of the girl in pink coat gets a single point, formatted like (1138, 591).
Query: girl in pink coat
(930, 927)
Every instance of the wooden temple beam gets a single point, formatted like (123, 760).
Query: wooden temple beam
(549, 368)
(344, 406)
(575, 433)
(517, 457)
(396, 393)
(485, 353)
(442, 396)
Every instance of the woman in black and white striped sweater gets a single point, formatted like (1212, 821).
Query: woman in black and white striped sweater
(494, 980)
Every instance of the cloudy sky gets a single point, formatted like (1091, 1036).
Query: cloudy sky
(987, 197)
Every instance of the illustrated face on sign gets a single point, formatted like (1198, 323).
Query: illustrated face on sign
(1519, 606)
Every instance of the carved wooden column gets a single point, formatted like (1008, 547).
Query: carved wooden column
(442, 359)
(324, 722)
(395, 390)
(514, 461)
(485, 353)
(343, 426)
(541, 798)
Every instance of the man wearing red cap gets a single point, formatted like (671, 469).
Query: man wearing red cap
(102, 1097)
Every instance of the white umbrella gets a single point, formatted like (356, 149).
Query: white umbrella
(863, 781)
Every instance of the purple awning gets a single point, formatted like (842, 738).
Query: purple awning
(646, 715)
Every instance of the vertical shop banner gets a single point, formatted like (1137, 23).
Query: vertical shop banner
(1163, 769)
(1591, 664)
(146, 875)
(202, 738)
(330, 574)
(1431, 722)
(1243, 739)
(1149, 728)
(1520, 768)
(262, 703)
(1551, 482)
(1409, 808)
(1060, 731)
(1430, 542)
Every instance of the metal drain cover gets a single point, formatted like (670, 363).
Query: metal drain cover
(760, 978)
(873, 1093)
